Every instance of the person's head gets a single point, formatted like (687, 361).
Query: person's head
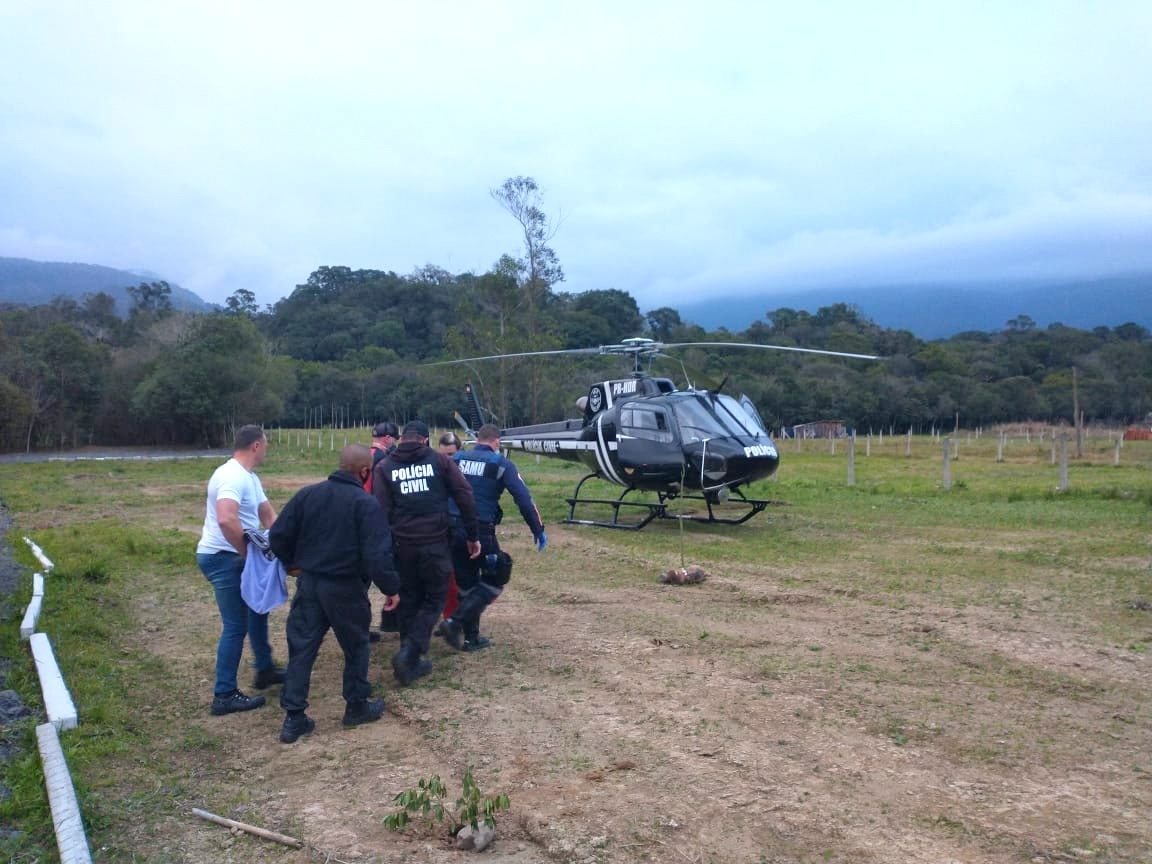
(449, 444)
(415, 430)
(385, 434)
(356, 459)
(250, 445)
(489, 434)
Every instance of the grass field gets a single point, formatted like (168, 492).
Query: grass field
(887, 671)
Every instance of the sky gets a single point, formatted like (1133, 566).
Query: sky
(683, 149)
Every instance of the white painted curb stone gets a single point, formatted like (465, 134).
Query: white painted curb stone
(40, 556)
(70, 837)
(57, 700)
(28, 625)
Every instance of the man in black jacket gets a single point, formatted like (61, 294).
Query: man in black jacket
(336, 535)
(413, 485)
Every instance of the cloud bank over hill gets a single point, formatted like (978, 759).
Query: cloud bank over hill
(733, 147)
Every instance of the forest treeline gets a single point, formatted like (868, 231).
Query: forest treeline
(354, 346)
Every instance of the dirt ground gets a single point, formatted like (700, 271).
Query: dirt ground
(758, 717)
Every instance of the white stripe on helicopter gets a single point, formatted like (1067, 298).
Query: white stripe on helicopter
(602, 457)
(600, 447)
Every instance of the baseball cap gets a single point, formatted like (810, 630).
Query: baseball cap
(415, 429)
(386, 428)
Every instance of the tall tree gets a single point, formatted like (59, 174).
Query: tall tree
(541, 269)
(242, 302)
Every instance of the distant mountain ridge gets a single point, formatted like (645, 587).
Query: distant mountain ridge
(34, 283)
(941, 311)
(930, 311)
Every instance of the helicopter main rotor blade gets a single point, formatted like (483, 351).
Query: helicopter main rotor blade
(769, 347)
(521, 354)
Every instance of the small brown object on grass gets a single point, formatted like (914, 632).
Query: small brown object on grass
(684, 576)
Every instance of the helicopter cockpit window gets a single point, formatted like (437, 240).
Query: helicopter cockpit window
(697, 423)
(700, 420)
(740, 416)
(645, 423)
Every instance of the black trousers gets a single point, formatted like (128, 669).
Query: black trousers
(321, 604)
(474, 596)
(425, 570)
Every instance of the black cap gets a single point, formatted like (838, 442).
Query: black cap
(415, 429)
(384, 429)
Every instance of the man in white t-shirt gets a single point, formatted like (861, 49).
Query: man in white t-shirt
(236, 501)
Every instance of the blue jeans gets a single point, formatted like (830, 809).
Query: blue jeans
(223, 570)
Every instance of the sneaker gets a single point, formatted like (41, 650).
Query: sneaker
(294, 726)
(453, 633)
(476, 643)
(364, 711)
(266, 678)
(233, 702)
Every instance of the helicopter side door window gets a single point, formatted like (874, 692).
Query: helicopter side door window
(646, 423)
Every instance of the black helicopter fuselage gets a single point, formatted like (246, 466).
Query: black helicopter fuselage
(642, 433)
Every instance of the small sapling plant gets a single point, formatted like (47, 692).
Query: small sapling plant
(426, 802)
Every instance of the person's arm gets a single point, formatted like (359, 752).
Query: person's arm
(461, 491)
(282, 535)
(516, 486)
(228, 518)
(267, 513)
(376, 550)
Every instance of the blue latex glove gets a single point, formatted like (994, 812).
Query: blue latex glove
(541, 541)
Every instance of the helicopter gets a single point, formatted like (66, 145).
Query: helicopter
(644, 434)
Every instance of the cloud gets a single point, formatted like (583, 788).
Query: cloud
(681, 147)
(1090, 234)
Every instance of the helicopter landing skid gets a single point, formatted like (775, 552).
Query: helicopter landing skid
(659, 510)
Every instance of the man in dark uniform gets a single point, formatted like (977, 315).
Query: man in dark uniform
(413, 485)
(480, 580)
(384, 437)
(337, 536)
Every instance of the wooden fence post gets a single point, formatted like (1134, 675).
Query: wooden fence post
(1063, 461)
(852, 461)
(947, 463)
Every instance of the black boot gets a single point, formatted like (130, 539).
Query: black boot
(266, 678)
(473, 641)
(477, 643)
(465, 621)
(407, 665)
(453, 633)
(296, 723)
(364, 711)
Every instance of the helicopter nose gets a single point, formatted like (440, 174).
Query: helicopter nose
(755, 460)
(715, 466)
